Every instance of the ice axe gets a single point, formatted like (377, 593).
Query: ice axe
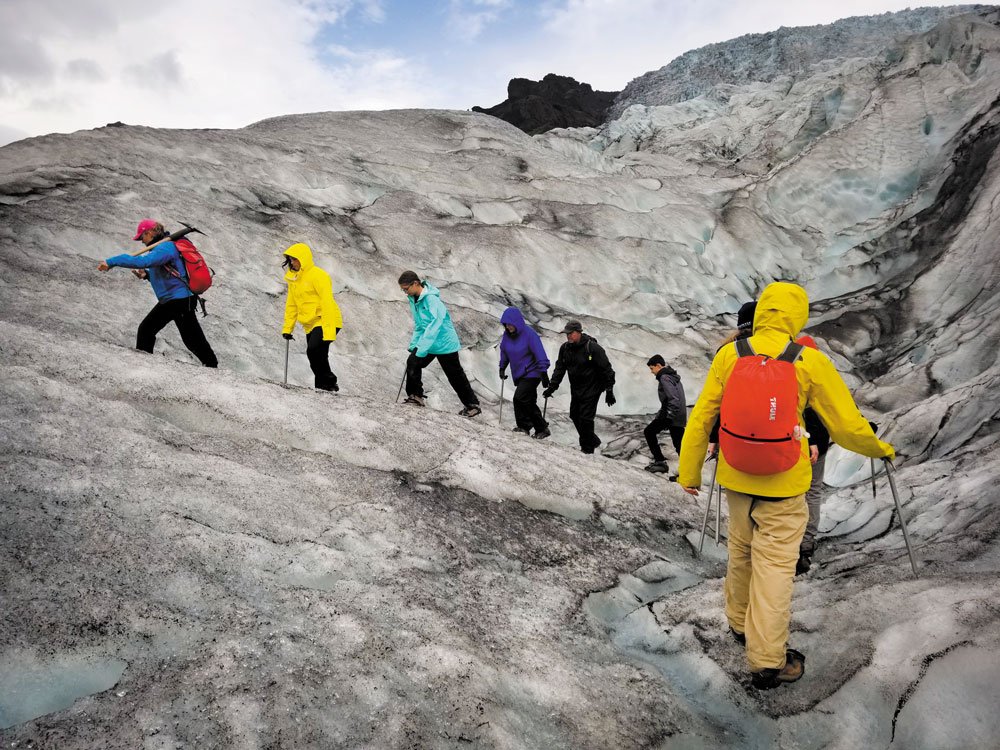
(188, 229)
(890, 472)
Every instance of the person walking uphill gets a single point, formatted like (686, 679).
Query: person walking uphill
(522, 349)
(767, 511)
(164, 269)
(672, 415)
(310, 302)
(434, 337)
(590, 374)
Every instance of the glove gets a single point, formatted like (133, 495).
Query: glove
(545, 380)
(503, 373)
(609, 397)
(288, 337)
(412, 350)
(547, 393)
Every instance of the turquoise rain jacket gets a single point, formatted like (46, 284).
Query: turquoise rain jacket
(433, 332)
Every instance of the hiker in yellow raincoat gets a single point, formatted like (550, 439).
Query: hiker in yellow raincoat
(768, 513)
(310, 302)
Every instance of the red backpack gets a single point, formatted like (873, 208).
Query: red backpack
(199, 275)
(760, 411)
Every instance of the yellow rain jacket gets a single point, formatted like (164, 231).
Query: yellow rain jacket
(782, 311)
(310, 296)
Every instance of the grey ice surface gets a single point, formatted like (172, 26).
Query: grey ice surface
(195, 558)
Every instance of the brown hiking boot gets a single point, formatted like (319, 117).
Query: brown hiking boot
(795, 667)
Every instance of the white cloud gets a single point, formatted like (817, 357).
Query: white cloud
(219, 64)
(470, 18)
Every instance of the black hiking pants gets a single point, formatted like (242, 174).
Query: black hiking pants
(452, 369)
(318, 352)
(183, 313)
(526, 411)
(583, 410)
(654, 428)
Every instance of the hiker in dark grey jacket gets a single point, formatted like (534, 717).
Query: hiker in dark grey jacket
(590, 374)
(672, 415)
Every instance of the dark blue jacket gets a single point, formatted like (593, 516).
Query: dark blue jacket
(523, 350)
(165, 285)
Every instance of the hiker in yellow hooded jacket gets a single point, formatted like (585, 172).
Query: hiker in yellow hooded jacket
(768, 514)
(310, 302)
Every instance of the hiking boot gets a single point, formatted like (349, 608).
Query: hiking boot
(740, 638)
(795, 667)
(541, 434)
(803, 565)
(414, 400)
(658, 467)
(471, 411)
(521, 430)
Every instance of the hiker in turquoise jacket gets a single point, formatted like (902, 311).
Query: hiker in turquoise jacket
(434, 337)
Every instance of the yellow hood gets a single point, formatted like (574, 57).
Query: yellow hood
(782, 307)
(303, 255)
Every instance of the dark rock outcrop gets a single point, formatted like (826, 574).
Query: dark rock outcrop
(553, 102)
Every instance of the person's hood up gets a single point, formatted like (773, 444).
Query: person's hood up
(303, 255)
(513, 317)
(782, 307)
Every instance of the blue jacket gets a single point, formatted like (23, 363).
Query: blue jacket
(433, 332)
(523, 350)
(165, 286)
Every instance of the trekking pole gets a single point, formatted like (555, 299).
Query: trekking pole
(545, 406)
(400, 386)
(288, 343)
(873, 478)
(890, 472)
(718, 515)
(500, 421)
(708, 508)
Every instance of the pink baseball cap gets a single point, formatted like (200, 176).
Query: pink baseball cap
(144, 225)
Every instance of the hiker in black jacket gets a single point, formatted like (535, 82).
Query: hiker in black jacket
(590, 374)
(672, 415)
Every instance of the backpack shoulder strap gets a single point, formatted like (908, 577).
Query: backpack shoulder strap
(791, 353)
(743, 348)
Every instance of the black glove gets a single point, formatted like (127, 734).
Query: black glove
(545, 380)
(288, 337)
(609, 397)
(547, 393)
(503, 373)
(412, 350)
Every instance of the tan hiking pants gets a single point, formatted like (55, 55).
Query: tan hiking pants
(764, 537)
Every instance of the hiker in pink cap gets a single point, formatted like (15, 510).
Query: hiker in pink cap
(163, 268)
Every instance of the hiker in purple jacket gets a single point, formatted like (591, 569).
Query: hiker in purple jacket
(522, 349)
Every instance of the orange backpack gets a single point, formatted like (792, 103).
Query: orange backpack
(760, 411)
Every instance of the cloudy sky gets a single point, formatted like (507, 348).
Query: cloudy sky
(72, 64)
